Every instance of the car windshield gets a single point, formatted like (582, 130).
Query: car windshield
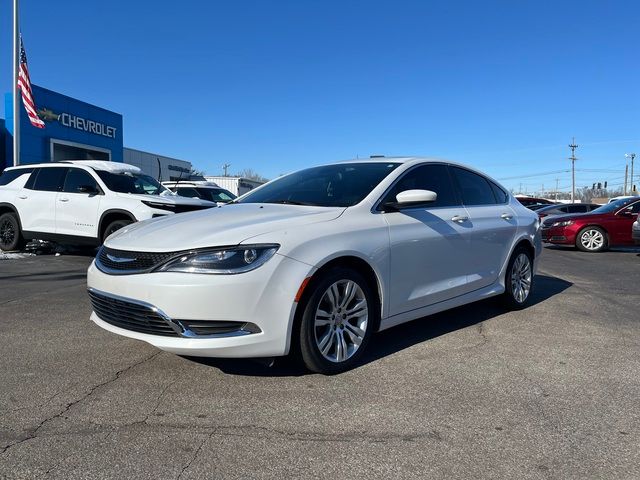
(127, 182)
(216, 194)
(338, 185)
(613, 206)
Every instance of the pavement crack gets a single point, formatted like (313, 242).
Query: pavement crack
(195, 455)
(34, 432)
(484, 339)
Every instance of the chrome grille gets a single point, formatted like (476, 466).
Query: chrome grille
(136, 317)
(110, 260)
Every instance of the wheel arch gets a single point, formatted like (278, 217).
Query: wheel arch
(9, 208)
(112, 215)
(347, 260)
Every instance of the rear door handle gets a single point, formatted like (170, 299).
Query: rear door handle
(506, 216)
(63, 199)
(23, 197)
(459, 219)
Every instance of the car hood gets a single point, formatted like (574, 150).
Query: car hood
(550, 219)
(227, 225)
(167, 199)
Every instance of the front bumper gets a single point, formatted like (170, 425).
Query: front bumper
(558, 236)
(263, 297)
(635, 233)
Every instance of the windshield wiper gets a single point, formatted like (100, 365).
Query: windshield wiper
(293, 202)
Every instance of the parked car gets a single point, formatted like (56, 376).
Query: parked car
(204, 190)
(532, 201)
(564, 208)
(538, 206)
(635, 232)
(604, 227)
(622, 197)
(317, 261)
(80, 202)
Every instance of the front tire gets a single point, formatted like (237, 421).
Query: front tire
(519, 279)
(114, 226)
(592, 239)
(10, 234)
(339, 317)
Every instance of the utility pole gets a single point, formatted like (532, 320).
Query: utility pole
(632, 156)
(626, 173)
(225, 167)
(556, 199)
(573, 159)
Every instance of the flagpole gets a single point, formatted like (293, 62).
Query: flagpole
(16, 97)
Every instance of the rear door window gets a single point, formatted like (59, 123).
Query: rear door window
(76, 178)
(474, 188)
(499, 193)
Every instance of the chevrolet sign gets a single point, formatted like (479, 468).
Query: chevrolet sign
(79, 123)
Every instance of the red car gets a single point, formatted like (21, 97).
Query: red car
(597, 230)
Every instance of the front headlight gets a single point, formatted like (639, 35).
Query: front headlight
(221, 261)
(565, 223)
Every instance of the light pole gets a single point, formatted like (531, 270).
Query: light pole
(632, 156)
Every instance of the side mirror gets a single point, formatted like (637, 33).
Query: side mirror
(409, 198)
(416, 196)
(90, 189)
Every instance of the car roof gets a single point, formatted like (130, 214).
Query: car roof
(107, 166)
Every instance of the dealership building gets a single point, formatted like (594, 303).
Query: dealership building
(76, 130)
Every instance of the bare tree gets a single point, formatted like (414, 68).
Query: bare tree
(252, 175)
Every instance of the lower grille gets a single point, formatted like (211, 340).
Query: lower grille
(130, 316)
(209, 327)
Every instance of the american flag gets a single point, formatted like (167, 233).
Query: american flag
(24, 84)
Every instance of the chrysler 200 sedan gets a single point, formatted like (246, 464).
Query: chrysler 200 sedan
(315, 262)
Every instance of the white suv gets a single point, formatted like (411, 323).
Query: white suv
(197, 189)
(80, 202)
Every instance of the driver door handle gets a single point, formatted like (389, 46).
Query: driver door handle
(63, 199)
(506, 216)
(459, 219)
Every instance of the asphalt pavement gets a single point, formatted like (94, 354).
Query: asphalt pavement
(552, 391)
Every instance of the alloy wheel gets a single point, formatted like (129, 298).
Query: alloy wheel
(7, 232)
(341, 321)
(521, 278)
(592, 239)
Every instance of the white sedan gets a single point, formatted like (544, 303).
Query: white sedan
(317, 261)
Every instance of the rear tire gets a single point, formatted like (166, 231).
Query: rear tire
(519, 279)
(592, 239)
(10, 234)
(113, 227)
(339, 317)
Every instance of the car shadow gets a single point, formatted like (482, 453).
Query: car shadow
(397, 338)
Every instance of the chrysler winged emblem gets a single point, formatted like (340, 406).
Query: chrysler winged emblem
(119, 259)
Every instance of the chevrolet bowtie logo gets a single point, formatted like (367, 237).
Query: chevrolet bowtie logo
(48, 115)
(119, 259)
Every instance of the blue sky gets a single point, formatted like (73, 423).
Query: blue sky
(279, 85)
